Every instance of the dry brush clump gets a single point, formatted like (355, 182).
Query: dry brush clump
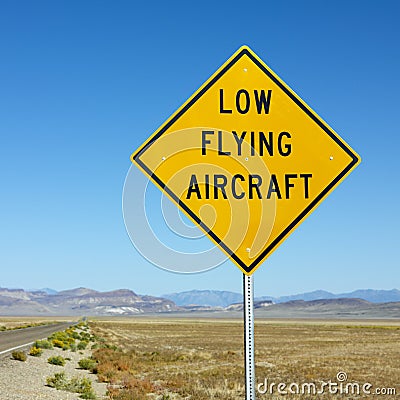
(56, 360)
(43, 344)
(19, 356)
(83, 386)
(35, 351)
(88, 364)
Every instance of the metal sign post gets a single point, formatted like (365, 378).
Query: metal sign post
(248, 313)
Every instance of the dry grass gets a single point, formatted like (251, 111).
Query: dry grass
(203, 359)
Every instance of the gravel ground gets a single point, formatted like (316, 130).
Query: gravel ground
(27, 380)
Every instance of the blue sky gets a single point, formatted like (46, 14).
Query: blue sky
(83, 84)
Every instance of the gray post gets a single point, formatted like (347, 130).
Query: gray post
(248, 312)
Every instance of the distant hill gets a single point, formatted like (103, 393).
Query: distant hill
(213, 298)
(81, 301)
(373, 296)
(331, 308)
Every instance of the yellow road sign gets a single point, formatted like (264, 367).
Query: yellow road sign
(246, 159)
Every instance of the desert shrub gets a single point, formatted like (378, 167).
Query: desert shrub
(58, 343)
(76, 385)
(59, 381)
(73, 347)
(18, 355)
(43, 344)
(35, 351)
(62, 339)
(82, 345)
(56, 360)
(87, 363)
(79, 385)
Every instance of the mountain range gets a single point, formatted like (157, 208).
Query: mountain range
(125, 302)
(224, 298)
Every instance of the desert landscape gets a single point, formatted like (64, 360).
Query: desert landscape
(202, 359)
(142, 357)
(190, 345)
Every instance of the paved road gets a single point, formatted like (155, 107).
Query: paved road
(19, 337)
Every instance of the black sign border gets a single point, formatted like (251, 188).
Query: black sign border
(354, 160)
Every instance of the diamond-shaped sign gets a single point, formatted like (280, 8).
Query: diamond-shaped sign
(246, 159)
